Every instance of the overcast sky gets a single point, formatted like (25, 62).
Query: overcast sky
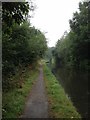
(52, 16)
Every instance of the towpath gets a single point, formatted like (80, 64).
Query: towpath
(37, 104)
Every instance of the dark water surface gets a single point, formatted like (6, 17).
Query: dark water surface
(75, 84)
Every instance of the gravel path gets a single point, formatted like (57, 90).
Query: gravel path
(37, 104)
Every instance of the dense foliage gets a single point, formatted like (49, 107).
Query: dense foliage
(14, 11)
(72, 49)
(22, 44)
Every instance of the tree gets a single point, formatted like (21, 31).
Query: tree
(79, 25)
(72, 49)
(22, 44)
(14, 11)
(23, 47)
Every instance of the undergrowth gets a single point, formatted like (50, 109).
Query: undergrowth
(13, 101)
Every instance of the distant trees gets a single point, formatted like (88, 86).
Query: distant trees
(72, 49)
(49, 56)
(21, 44)
(49, 53)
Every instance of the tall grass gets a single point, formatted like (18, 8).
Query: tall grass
(14, 100)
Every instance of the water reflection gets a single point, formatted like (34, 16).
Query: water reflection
(75, 84)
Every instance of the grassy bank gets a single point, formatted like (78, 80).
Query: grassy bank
(14, 100)
(60, 105)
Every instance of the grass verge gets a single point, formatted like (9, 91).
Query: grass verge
(14, 100)
(60, 106)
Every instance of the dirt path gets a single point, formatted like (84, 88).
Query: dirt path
(37, 104)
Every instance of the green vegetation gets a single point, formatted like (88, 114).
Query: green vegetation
(60, 105)
(49, 56)
(71, 58)
(14, 11)
(14, 100)
(72, 49)
(22, 45)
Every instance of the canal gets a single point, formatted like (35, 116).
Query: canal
(75, 84)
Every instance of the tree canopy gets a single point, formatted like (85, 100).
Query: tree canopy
(22, 45)
(14, 11)
(72, 49)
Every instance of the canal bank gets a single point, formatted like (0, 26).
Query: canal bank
(60, 106)
(75, 84)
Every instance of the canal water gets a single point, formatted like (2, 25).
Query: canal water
(75, 84)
